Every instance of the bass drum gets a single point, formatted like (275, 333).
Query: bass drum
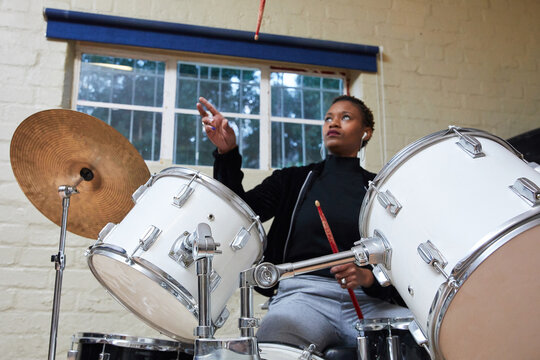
(273, 351)
(98, 346)
(146, 261)
(460, 210)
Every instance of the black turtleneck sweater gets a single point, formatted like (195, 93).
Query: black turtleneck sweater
(340, 190)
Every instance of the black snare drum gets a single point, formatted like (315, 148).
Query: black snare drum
(96, 346)
(388, 339)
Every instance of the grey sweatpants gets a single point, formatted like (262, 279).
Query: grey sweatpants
(312, 309)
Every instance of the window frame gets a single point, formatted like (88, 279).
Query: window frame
(169, 111)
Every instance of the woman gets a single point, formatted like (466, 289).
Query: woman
(311, 308)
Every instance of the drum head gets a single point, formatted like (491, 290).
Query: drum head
(155, 301)
(494, 313)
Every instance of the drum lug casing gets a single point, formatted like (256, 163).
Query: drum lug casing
(243, 236)
(468, 143)
(147, 240)
(72, 354)
(389, 202)
(185, 192)
(142, 189)
(527, 190)
(418, 334)
(432, 256)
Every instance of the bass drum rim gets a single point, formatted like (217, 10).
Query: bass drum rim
(466, 267)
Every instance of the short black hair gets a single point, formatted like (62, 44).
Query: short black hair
(366, 112)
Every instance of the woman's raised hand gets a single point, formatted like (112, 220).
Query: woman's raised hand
(217, 127)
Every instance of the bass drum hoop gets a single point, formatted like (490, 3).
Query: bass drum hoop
(465, 267)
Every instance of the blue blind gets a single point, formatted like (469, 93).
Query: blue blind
(73, 25)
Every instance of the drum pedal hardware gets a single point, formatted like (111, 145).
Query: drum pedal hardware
(468, 143)
(243, 236)
(185, 192)
(527, 190)
(148, 239)
(432, 256)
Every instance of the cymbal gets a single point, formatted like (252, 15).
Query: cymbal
(51, 148)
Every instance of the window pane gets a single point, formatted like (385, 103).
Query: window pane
(230, 97)
(247, 138)
(301, 98)
(141, 128)
(312, 105)
(146, 134)
(292, 105)
(121, 80)
(192, 146)
(187, 93)
(295, 144)
(231, 90)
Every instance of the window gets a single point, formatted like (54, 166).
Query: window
(277, 115)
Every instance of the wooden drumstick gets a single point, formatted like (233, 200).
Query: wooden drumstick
(334, 247)
(259, 18)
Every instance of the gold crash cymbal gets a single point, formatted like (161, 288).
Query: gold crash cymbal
(50, 148)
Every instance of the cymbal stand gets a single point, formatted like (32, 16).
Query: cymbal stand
(59, 263)
(65, 192)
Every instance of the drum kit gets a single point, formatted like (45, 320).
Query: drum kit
(452, 221)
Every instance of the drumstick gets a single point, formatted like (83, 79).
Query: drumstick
(334, 247)
(259, 18)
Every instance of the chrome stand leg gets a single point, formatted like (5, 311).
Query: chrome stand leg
(59, 264)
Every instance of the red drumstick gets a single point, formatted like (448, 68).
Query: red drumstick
(334, 247)
(259, 19)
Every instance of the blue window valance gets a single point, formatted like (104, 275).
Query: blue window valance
(73, 25)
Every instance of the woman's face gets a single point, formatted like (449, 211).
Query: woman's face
(344, 128)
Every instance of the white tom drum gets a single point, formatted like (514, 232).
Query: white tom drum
(460, 211)
(146, 260)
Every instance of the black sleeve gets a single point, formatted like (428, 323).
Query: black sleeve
(262, 199)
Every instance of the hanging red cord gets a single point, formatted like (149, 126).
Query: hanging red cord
(259, 19)
(334, 247)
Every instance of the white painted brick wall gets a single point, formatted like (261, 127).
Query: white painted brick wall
(468, 63)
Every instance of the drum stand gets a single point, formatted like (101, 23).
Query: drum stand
(264, 275)
(59, 263)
